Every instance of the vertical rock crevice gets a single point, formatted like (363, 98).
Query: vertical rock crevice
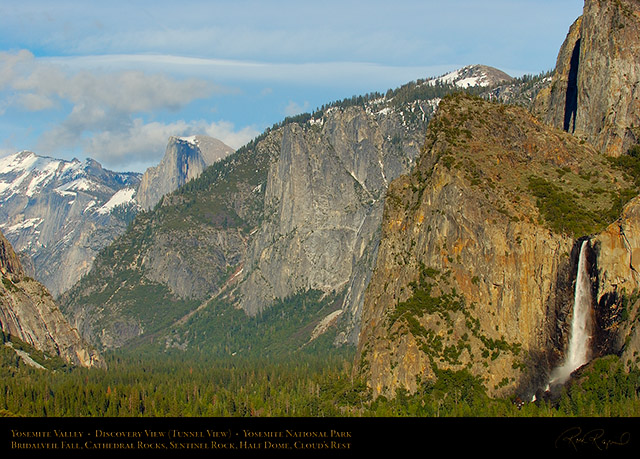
(596, 83)
(571, 100)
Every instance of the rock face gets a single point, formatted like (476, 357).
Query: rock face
(617, 262)
(323, 206)
(595, 93)
(184, 159)
(29, 313)
(476, 263)
(470, 275)
(58, 214)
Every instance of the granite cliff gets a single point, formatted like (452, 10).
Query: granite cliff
(29, 313)
(185, 158)
(478, 251)
(595, 91)
(480, 243)
(323, 206)
(616, 263)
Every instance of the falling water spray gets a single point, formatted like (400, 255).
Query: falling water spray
(579, 351)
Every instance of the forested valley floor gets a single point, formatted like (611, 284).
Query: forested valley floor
(178, 384)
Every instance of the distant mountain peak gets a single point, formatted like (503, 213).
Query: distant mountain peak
(472, 75)
(185, 158)
(50, 209)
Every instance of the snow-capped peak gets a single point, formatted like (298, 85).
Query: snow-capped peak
(26, 173)
(472, 75)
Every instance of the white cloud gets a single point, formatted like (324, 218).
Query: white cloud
(10, 66)
(227, 133)
(107, 115)
(141, 141)
(35, 102)
(124, 116)
(123, 91)
(144, 143)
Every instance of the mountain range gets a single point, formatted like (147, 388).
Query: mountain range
(58, 214)
(295, 211)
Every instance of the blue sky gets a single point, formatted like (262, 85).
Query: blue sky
(113, 80)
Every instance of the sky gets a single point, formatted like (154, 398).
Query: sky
(114, 80)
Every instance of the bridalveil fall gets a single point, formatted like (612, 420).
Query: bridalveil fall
(579, 351)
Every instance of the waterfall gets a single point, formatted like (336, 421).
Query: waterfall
(580, 339)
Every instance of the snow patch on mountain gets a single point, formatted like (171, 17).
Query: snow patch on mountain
(193, 140)
(28, 223)
(123, 196)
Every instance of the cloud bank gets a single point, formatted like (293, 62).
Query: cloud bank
(108, 115)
